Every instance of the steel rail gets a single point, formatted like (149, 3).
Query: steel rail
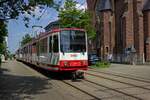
(113, 89)
(99, 76)
(127, 77)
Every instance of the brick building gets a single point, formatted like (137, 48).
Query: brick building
(123, 29)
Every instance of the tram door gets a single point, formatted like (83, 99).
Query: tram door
(55, 50)
(50, 49)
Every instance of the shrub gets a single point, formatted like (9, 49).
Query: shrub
(102, 64)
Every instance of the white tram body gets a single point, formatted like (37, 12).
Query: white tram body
(58, 50)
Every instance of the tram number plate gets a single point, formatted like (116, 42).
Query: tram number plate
(75, 63)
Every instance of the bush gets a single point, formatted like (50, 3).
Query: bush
(102, 64)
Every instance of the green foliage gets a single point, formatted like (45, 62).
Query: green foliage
(3, 33)
(10, 9)
(70, 16)
(2, 48)
(102, 64)
(26, 39)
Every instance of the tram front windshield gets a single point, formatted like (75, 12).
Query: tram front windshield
(72, 41)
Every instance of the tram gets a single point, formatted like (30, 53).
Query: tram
(59, 50)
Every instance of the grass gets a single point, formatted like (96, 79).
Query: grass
(102, 64)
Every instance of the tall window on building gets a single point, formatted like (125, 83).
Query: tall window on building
(123, 31)
(110, 31)
(55, 44)
(107, 50)
(101, 24)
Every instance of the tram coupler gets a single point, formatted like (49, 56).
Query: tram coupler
(77, 75)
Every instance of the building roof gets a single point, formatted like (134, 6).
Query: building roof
(104, 5)
(146, 5)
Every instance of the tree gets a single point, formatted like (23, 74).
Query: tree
(10, 9)
(3, 46)
(26, 39)
(3, 33)
(71, 16)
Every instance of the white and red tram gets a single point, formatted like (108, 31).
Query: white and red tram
(58, 50)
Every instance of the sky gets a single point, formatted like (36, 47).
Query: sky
(16, 28)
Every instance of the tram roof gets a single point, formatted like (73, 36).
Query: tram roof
(43, 34)
(58, 30)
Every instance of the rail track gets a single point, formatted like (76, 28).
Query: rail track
(69, 83)
(122, 82)
(63, 80)
(124, 93)
(79, 89)
(95, 97)
(100, 85)
(115, 80)
(137, 78)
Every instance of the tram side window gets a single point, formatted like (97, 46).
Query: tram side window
(30, 49)
(41, 46)
(50, 44)
(55, 44)
(33, 48)
(38, 49)
(45, 45)
(25, 49)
